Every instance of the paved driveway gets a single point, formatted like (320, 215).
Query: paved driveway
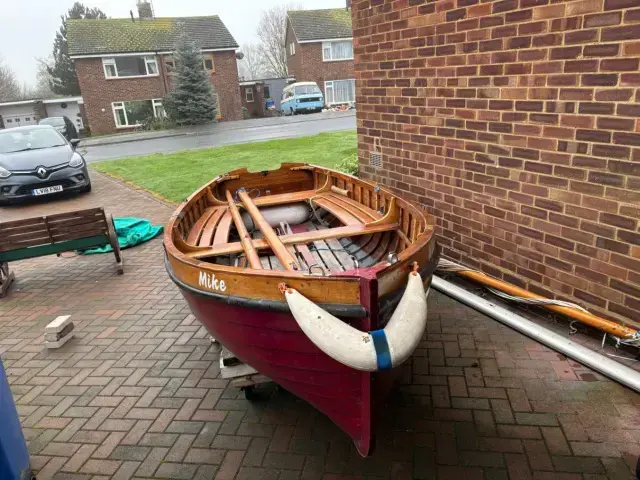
(225, 133)
(137, 392)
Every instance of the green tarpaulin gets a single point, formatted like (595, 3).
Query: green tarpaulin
(131, 232)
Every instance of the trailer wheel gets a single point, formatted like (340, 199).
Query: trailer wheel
(250, 393)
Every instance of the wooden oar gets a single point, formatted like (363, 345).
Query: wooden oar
(245, 239)
(280, 251)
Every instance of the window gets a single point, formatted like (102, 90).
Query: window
(170, 64)
(292, 48)
(340, 91)
(307, 89)
(207, 61)
(158, 109)
(116, 67)
(129, 114)
(267, 92)
(27, 119)
(332, 51)
(9, 120)
(33, 139)
(248, 95)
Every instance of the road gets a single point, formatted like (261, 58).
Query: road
(224, 134)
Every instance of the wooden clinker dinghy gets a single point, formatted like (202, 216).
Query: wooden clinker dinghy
(316, 279)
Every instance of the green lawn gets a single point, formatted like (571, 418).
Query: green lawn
(175, 176)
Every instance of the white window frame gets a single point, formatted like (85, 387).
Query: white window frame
(329, 85)
(327, 51)
(109, 62)
(155, 103)
(148, 60)
(246, 95)
(292, 48)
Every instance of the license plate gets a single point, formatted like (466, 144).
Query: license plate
(47, 190)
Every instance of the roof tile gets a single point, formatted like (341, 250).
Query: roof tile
(122, 35)
(310, 25)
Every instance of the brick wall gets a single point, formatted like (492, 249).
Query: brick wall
(517, 123)
(226, 83)
(99, 92)
(307, 65)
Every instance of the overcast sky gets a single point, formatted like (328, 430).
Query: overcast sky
(29, 26)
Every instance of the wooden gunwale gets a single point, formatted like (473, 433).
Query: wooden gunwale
(186, 260)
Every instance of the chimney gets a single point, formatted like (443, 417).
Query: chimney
(145, 10)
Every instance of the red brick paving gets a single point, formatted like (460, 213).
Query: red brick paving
(137, 394)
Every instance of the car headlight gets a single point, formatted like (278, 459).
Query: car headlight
(76, 161)
(4, 173)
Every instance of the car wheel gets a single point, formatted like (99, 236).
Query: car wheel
(87, 189)
(293, 112)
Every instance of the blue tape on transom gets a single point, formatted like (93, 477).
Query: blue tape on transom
(381, 345)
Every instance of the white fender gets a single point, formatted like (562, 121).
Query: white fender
(407, 324)
(343, 343)
(365, 351)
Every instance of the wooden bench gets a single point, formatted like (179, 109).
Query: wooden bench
(55, 234)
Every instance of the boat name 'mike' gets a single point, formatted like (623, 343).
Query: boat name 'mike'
(210, 281)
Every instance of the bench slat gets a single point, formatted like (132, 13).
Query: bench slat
(102, 226)
(337, 211)
(51, 249)
(196, 230)
(75, 235)
(222, 230)
(92, 212)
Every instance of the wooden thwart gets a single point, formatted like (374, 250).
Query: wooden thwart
(303, 238)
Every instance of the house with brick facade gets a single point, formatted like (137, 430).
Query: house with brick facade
(516, 123)
(320, 49)
(124, 66)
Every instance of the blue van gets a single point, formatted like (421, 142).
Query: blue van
(302, 97)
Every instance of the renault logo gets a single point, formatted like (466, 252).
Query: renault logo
(42, 172)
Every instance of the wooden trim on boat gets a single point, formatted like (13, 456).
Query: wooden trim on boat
(392, 215)
(340, 191)
(376, 216)
(306, 237)
(343, 310)
(245, 239)
(263, 284)
(280, 251)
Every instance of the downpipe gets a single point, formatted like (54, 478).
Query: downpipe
(600, 363)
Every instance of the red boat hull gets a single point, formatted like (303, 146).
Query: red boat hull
(272, 343)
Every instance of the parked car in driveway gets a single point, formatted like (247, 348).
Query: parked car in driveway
(63, 124)
(38, 161)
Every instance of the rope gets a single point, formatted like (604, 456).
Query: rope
(315, 214)
(536, 301)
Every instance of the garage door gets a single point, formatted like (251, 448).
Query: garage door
(19, 120)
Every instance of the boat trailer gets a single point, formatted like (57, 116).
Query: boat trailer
(242, 376)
